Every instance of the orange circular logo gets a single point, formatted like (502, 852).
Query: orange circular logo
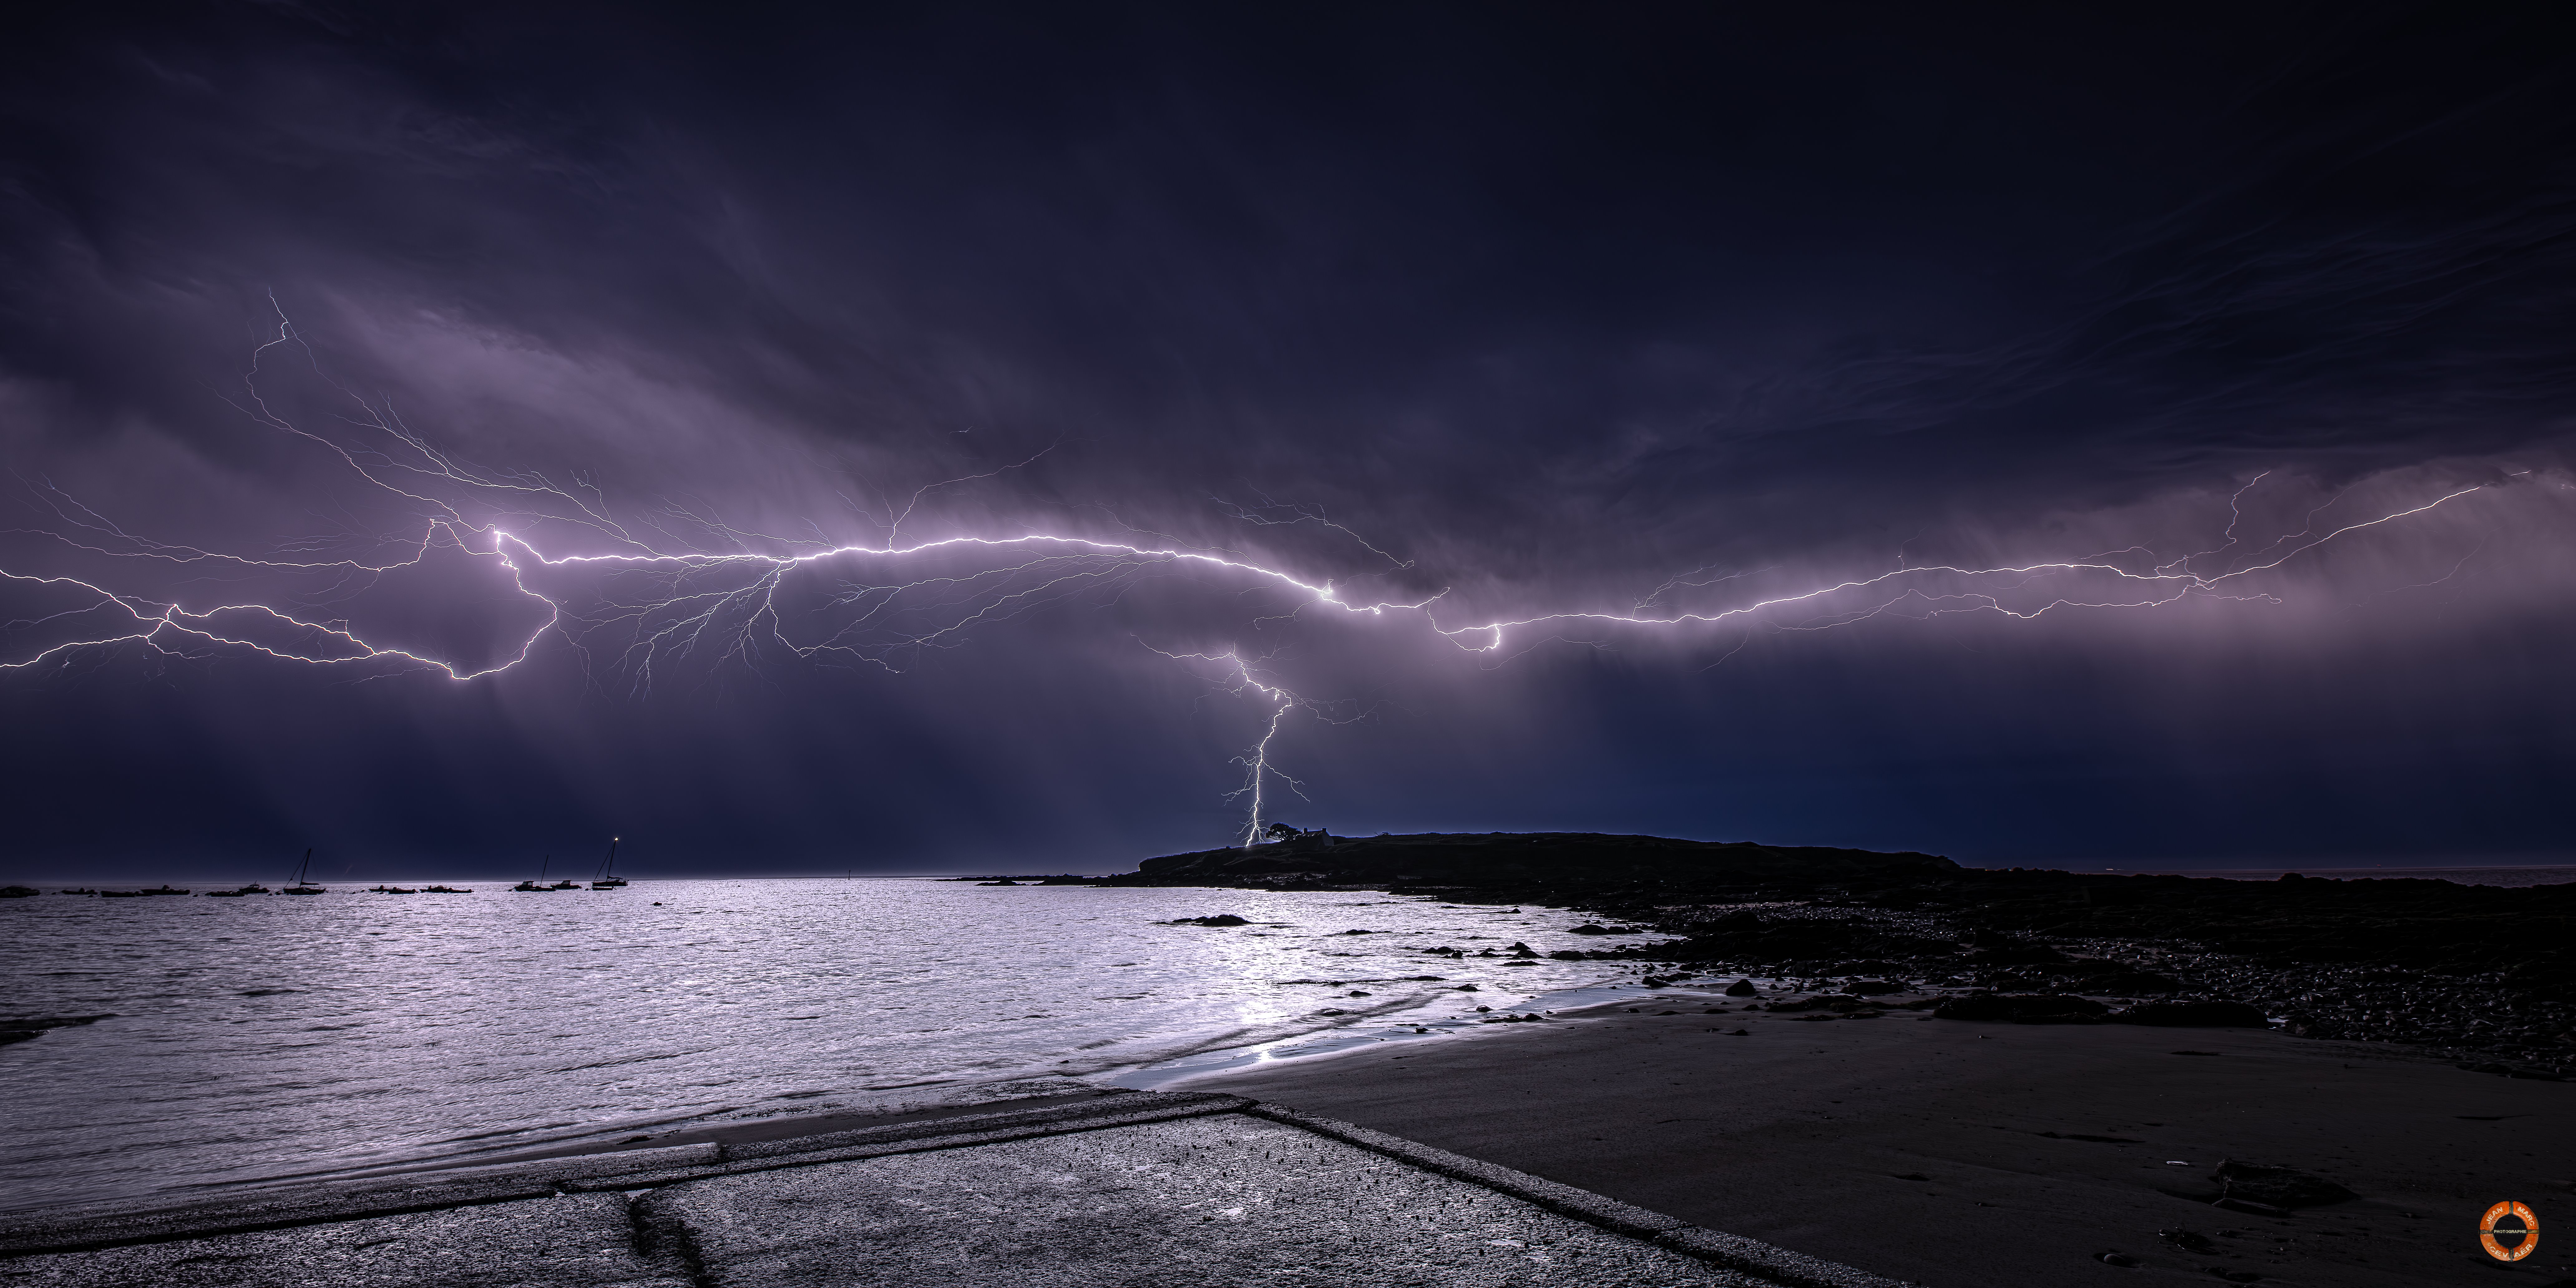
(2526, 1236)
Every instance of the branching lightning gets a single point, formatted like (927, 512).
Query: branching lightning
(647, 591)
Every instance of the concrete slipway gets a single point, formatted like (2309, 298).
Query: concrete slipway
(1130, 1188)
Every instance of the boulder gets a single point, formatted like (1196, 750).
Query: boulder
(1741, 988)
(2021, 1008)
(2194, 1015)
(2281, 1187)
(1220, 919)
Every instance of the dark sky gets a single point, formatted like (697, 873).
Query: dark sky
(1530, 312)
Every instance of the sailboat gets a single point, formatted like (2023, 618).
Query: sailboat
(303, 886)
(531, 887)
(608, 878)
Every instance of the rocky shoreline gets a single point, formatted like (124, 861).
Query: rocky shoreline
(2477, 974)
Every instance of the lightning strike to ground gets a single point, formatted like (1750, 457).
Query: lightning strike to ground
(673, 600)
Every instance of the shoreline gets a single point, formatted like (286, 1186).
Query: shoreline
(1956, 1153)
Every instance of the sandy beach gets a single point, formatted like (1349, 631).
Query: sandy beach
(1958, 1154)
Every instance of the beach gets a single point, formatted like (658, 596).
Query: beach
(1957, 1154)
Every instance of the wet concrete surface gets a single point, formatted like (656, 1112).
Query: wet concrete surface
(570, 1241)
(1229, 1199)
(1136, 1189)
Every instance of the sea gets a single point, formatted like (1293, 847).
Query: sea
(265, 1040)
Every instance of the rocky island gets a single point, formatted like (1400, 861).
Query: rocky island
(2477, 973)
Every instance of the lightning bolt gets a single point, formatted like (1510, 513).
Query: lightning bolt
(685, 585)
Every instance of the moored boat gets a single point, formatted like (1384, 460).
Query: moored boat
(386, 889)
(303, 886)
(533, 886)
(607, 878)
(440, 889)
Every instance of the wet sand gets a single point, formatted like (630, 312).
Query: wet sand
(1915, 1148)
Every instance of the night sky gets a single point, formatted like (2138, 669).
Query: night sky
(1641, 310)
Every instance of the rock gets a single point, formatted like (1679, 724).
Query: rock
(1741, 988)
(1220, 919)
(2117, 1259)
(1566, 955)
(2194, 1015)
(2281, 1187)
(2016, 955)
(2186, 1240)
(27, 1028)
(1872, 987)
(2130, 983)
(2021, 1008)
(1467, 988)
(16, 892)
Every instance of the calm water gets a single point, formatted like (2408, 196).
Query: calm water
(262, 1038)
(2512, 877)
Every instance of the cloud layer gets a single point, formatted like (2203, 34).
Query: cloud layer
(1512, 319)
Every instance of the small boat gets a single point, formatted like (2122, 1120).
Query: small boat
(386, 889)
(531, 887)
(444, 890)
(76, 892)
(253, 888)
(120, 894)
(607, 876)
(164, 889)
(18, 892)
(301, 885)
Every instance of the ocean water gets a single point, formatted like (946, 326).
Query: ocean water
(260, 1039)
(2512, 876)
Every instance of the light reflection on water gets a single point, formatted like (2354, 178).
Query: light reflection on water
(263, 1037)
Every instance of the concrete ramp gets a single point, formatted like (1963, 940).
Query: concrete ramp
(1133, 1189)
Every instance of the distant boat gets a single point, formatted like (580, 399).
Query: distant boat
(303, 886)
(386, 889)
(531, 887)
(120, 894)
(444, 890)
(164, 889)
(253, 888)
(608, 878)
(76, 892)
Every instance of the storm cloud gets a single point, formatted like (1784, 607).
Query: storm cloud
(1508, 313)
